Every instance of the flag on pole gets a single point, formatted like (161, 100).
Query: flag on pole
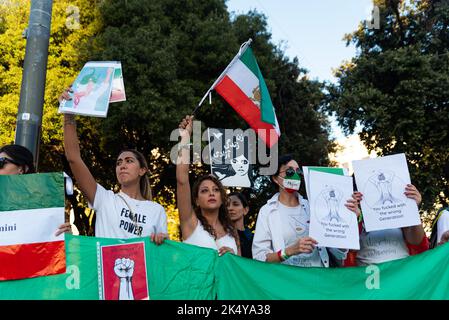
(243, 87)
(31, 210)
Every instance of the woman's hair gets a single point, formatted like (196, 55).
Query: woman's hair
(241, 197)
(21, 155)
(145, 187)
(283, 160)
(223, 215)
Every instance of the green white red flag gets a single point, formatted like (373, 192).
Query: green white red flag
(244, 88)
(31, 210)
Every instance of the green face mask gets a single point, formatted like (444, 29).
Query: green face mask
(292, 180)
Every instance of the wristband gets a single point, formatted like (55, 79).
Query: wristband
(279, 253)
(284, 255)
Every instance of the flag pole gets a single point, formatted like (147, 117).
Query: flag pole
(237, 56)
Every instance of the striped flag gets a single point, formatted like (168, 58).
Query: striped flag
(244, 88)
(31, 210)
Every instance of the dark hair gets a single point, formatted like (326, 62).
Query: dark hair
(145, 187)
(241, 197)
(223, 215)
(283, 160)
(21, 155)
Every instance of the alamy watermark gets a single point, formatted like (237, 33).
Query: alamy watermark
(373, 20)
(260, 153)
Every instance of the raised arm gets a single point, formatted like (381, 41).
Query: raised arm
(86, 181)
(187, 217)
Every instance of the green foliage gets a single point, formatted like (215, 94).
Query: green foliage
(171, 52)
(396, 88)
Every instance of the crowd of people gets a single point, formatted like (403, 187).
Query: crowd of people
(211, 218)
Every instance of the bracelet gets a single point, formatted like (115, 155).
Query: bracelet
(284, 255)
(279, 253)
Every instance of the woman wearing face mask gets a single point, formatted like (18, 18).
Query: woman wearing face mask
(16, 159)
(282, 225)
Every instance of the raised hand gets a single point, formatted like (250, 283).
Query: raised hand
(124, 267)
(186, 127)
(412, 193)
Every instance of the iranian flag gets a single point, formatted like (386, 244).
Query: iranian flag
(244, 88)
(31, 210)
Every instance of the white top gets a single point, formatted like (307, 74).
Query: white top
(443, 224)
(381, 246)
(269, 237)
(295, 224)
(113, 216)
(202, 238)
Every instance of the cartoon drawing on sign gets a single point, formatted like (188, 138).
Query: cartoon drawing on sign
(332, 196)
(230, 159)
(383, 182)
(124, 269)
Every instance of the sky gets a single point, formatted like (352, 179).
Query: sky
(311, 30)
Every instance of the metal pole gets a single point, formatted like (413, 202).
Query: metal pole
(29, 116)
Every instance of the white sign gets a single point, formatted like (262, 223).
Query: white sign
(382, 182)
(307, 169)
(331, 223)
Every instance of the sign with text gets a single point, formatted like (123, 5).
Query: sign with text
(331, 223)
(382, 182)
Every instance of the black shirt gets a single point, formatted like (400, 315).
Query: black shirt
(246, 242)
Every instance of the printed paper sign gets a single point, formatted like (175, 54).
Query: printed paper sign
(124, 272)
(331, 223)
(382, 182)
(230, 157)
(97, 84)
(307, 169)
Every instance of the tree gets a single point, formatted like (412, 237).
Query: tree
(171, 52)
(396, 88)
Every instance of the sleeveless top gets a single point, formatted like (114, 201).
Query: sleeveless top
(202, 238)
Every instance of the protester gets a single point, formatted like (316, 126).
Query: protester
(440, 228)
(282, 225)
(16, 159)
(205, 221)
(238, 208)
(390, 244)
(127, 214)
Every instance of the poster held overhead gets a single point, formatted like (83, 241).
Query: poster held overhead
(382, 182)
(230, 156)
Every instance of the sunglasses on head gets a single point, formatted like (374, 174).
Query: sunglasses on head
(290, 172)
(4, 160)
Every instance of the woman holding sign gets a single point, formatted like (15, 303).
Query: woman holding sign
(205, 221)
(282, 225)
(16, 159)
(127, 214)
(391, 244)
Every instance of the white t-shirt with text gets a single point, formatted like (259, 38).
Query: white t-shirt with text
(381, 246)
(113, 218)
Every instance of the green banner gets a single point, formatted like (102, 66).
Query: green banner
(424, 276)
(180, 271)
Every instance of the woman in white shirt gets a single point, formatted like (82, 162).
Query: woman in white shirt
(205, 222)
(282, 227)
(127, 214)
